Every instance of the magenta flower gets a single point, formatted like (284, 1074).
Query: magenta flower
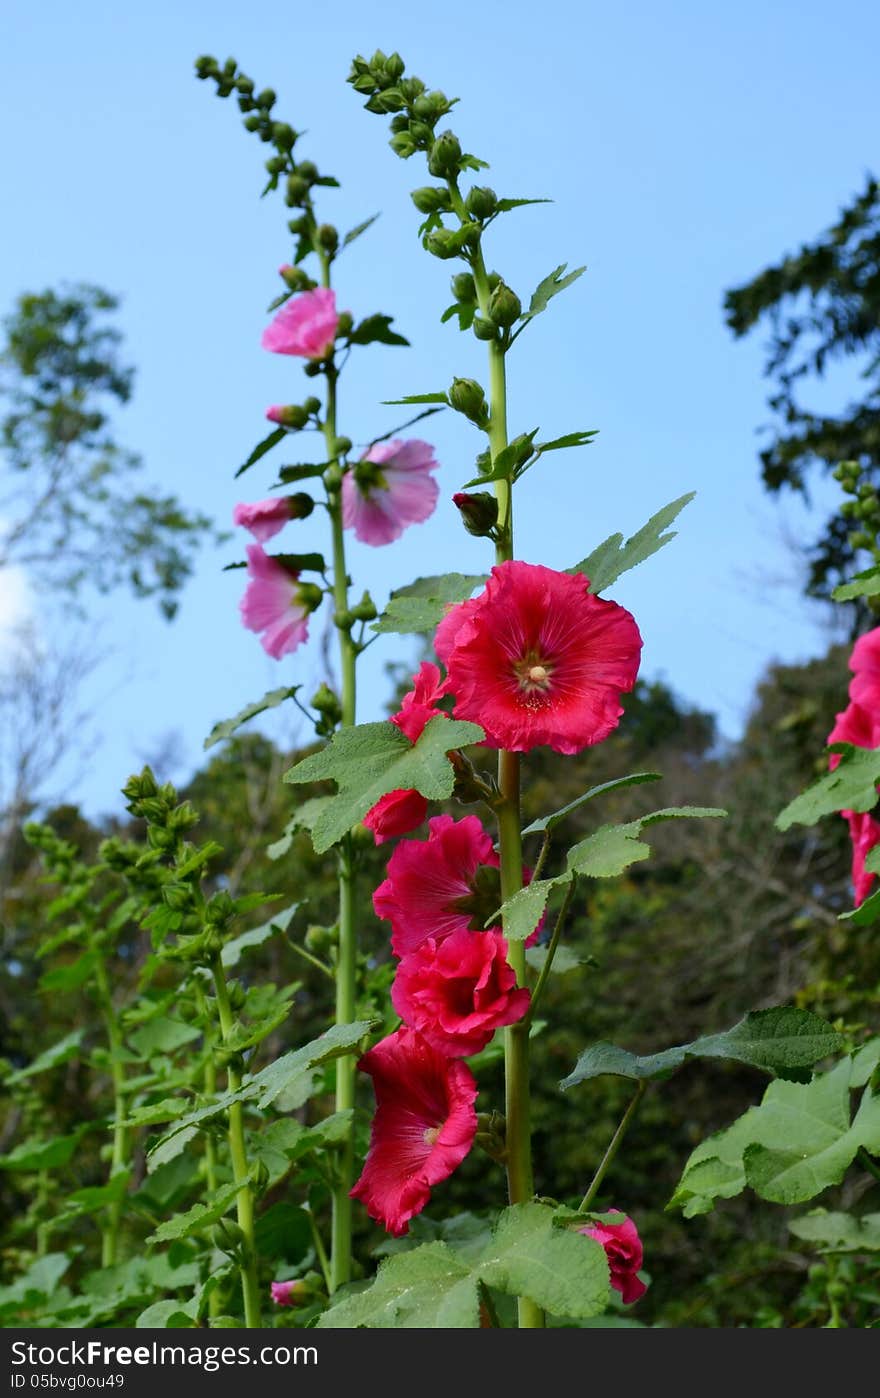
(865, 665)
(264, 519)
(276, 603)
(402, 811)
(306, 325)
(390, 487)
(537, 659)
(623, 1248)
(423, 1128)
(859, 724)
(287, 1293)
(458, 991)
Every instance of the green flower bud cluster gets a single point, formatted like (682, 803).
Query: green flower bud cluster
(327, 705)
(863, 508)
(414, 113)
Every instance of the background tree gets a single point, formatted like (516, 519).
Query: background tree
(822, 305)
(70, 511)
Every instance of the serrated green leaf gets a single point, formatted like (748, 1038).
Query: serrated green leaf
(521, 914)
(613, 848)
(156, 1112)
(614, 557)
(304, 819)
(62, 1052)
(198, 1218)
(358, 230)
(376, 329)
(36, 1154)
(564, 959)
(865, 1060)
(228, 726)
(167, 1315)
(416, 398)
(170, 1146)
(71, 976)
(775, 1040)
(838, 1232)
(372, 759)
(261, 448)
(865, 584)
(550, 822)
(429, 1286)
(571, 439)
(162, 1035)
(301, 471)
(852, 786)
(505, 205)
(550, 287)
(420, 606)
(231, 953)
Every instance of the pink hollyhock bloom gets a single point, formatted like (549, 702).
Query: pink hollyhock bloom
(423, 1128)
(865, 665)
(287, 1293)
(859, 725)
(623, 1248)
(306, 325)
(445, 884)
(537, 660)
(402, 811)
(275, 603)
(398, 813)
(864, 832)
(264, 519)
(390, 487)
(458, 991)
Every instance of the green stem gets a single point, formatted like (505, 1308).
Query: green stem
(613, 1148)
(250, 1285)
(44, 1194)
(320, 1251)
(346, 964)
(215, 1299)
(119, 1157)
(551, 951)
(520, 1182)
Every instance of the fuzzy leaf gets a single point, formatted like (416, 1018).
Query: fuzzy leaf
(551, 821)
(613, 848)
(550, 287)
(227, 726)
(261, 448)
(865, 1060)
(613, 557)
(426, 1287)
(521, 914)
(421, 605)
(851, 787)
(838, 1232)
(564, 959)
(372, 759)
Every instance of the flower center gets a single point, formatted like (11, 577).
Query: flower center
(533, 674)
(483, 900)
(430, 1136)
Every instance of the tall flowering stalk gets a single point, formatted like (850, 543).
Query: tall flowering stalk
(376, 495)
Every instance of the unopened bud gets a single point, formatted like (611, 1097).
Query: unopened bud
(467, 397)
(276, 164)
(481, 202)
(505, 307)
(227, 1236)
(345, 323)
(431, 199)
(312, 405)
(402, 144)
(445, 243)
(484, 329)
(309, 170)
(310, 596)
(328, 237)
(365, 609)
(266, 98)
(288, 415)
(479, 512)
(319, 939)
(297, 190)
(300, 505)
(341, 446)
(394, 66)
(463, 287)
(326, 702)
(445, 155)
(253, 123)
(283, 135)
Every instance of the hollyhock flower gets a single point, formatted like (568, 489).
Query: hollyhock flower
(402, 811)
(306, 325)
(423, 1128)
(859, 725)
(458, 991)
(865, 665)
(390, 487)
(623, 1248)
(264, 519)
(286, 1293)
(538, 660)
(445, 884)
(276, 603)
(864, 832)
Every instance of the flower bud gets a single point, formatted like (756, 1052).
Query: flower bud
(384, 103)
(395, 66)
(327, 702)
(463, 287)
(310, 596)
(365, 609)
(860, 540)
(309, 170)
(312, 406)
(319, 939)
(403, 144)
(236, 993)
(206, 66)
(431, 199)
(505, 307)
(481, 202)
(253, 123)
(283, 135)
(422, 134)
(345, 323)
(479, 512)
(328, 237)
(399, 122)
(260, 1177)
(341, 446)
(297, 190)
(411, 88)
(467, 397)
(266, 98)
(449, 242)
(227, 1236)
(177, 896)
(276, 164)
(289, 415)
(300, 505)
(484, 329)
(445, 155)
(245, 84)
(332, 477)
(247, 104)
(312, 369)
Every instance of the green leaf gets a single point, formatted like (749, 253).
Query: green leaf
(416, 398)
(521, 914)
(302, 471)
(167, 1315)
(614, 557)
(571, 439)
(71, 976)
(170, 1146)
(865, 584)
(156, 1112)
(62, 1052)
(852, 786)
(196, 1219)
(295, 562)
(372, 759)
(865, 1060)
(775, 1040)
(376, 329)
(613, 848)
(550, 287)
(797, 1143)
(838, 1232)
(421, 605)
(227, 727)
(564, 959)
(261, 448)
(162, 1035)
(35, 1154)
(304, 819)
(231, 953)
(550, 822)
(505, 205)
(358, 230)
(436, 1286)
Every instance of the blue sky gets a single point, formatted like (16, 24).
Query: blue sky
(685, 147)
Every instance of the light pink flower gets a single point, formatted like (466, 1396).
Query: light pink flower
(306, 325)
(264, 519)
(423, 1128)
(457, 991)
(275, 604)
(623, 1248)
(390, 487)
